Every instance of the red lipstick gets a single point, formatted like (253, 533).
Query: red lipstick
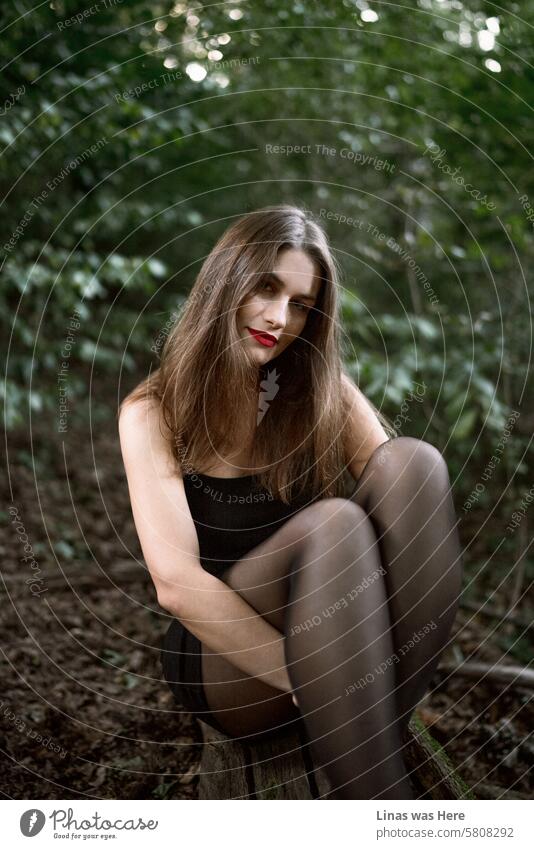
(262, 337)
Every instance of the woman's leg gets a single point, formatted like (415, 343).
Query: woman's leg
(405, 491)
(328, 550)
(337, 627)
(243, 704)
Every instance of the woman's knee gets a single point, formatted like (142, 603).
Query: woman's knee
(337, 527)
(337, 515)
(427, 462)
(340, 538)
(406, 455)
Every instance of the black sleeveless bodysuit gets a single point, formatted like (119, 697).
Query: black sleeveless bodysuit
(232, 516)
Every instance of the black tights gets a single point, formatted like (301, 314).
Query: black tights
(365, 591)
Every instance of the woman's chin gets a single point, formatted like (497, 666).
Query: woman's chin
(259, 352)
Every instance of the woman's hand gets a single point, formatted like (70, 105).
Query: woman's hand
(293, 696)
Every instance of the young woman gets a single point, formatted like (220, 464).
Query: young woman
(296, 599)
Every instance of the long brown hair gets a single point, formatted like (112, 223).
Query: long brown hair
(205, 380)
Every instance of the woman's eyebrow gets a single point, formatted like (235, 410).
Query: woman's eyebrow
(282, 284)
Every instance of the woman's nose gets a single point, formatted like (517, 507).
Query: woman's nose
(275, 311)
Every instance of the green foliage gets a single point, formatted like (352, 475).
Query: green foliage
(133, 135)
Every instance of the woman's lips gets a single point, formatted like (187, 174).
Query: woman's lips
(263, 338)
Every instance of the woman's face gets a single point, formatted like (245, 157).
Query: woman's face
(279, 305)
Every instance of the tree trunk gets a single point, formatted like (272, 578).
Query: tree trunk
(281, 767)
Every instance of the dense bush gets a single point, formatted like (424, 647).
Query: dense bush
(133, 132)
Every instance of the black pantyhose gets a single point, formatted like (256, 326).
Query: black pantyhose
(365, 591)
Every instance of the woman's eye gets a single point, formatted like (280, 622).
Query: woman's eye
(265, 284)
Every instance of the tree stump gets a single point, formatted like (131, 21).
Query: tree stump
(281, 767)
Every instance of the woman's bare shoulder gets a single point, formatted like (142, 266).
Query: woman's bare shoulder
(138, 412)
(142, 428)
(363, 431)
(354, 395)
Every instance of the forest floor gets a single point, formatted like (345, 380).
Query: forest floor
(84, 710)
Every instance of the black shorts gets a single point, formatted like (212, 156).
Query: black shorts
(181, 662)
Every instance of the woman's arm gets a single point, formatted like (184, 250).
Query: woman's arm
(363, 432)
(213, 612)
(228, 625)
